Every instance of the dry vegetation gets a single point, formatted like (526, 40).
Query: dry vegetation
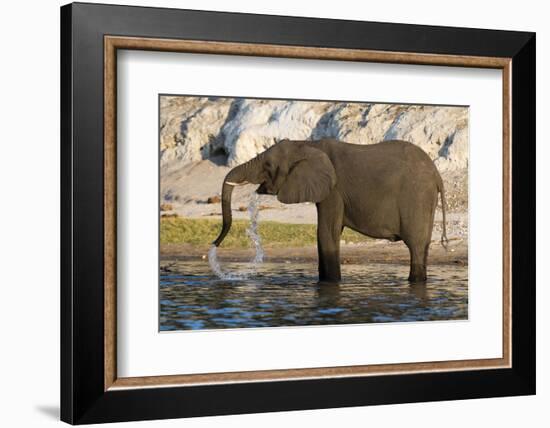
(200, 232)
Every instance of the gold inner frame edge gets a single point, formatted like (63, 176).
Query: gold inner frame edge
(113, 43)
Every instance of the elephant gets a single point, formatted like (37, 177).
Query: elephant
(388, 190)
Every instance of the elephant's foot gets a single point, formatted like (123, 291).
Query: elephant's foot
(329, 272)
(418, 273)
(329, 280)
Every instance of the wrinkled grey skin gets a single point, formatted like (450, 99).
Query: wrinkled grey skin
(387, 190)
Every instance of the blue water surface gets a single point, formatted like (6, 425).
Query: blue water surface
(287, 294)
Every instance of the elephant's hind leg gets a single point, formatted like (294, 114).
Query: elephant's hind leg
(417, 222)
(419, 257)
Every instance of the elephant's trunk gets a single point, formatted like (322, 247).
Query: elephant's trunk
(227, 190)
(242, 174)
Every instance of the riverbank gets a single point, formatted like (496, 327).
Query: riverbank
(201, 232)
(374, 251)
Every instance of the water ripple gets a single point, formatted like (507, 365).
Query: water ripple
(287, 294)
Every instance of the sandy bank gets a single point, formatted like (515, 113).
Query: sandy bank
(372, 252)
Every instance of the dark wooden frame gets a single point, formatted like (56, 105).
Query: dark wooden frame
(90, 35)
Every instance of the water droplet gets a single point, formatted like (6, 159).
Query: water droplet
(252, 232)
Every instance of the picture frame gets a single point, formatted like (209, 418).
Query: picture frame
(91, 391)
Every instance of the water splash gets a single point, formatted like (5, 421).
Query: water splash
(252, 232)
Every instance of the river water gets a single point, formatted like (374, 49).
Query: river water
(192, 297)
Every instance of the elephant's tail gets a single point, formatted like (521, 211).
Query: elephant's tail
(444, 239)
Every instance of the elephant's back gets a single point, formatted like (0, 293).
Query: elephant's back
(402, 156)
(393, 155)
(399, 150)
(384, 162)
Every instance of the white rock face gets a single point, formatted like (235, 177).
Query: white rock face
(195, 128)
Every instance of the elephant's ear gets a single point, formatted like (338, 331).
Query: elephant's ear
(310, 178)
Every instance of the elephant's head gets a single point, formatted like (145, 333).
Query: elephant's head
(294, 171)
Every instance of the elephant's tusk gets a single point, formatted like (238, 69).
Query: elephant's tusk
(236, 184)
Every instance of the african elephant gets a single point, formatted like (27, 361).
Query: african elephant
(387, 190)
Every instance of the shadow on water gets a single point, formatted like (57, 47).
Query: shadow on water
(287, 294)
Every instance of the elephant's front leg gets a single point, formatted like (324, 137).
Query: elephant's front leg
(330, 213)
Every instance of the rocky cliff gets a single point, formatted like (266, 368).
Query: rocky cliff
(236, 130)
